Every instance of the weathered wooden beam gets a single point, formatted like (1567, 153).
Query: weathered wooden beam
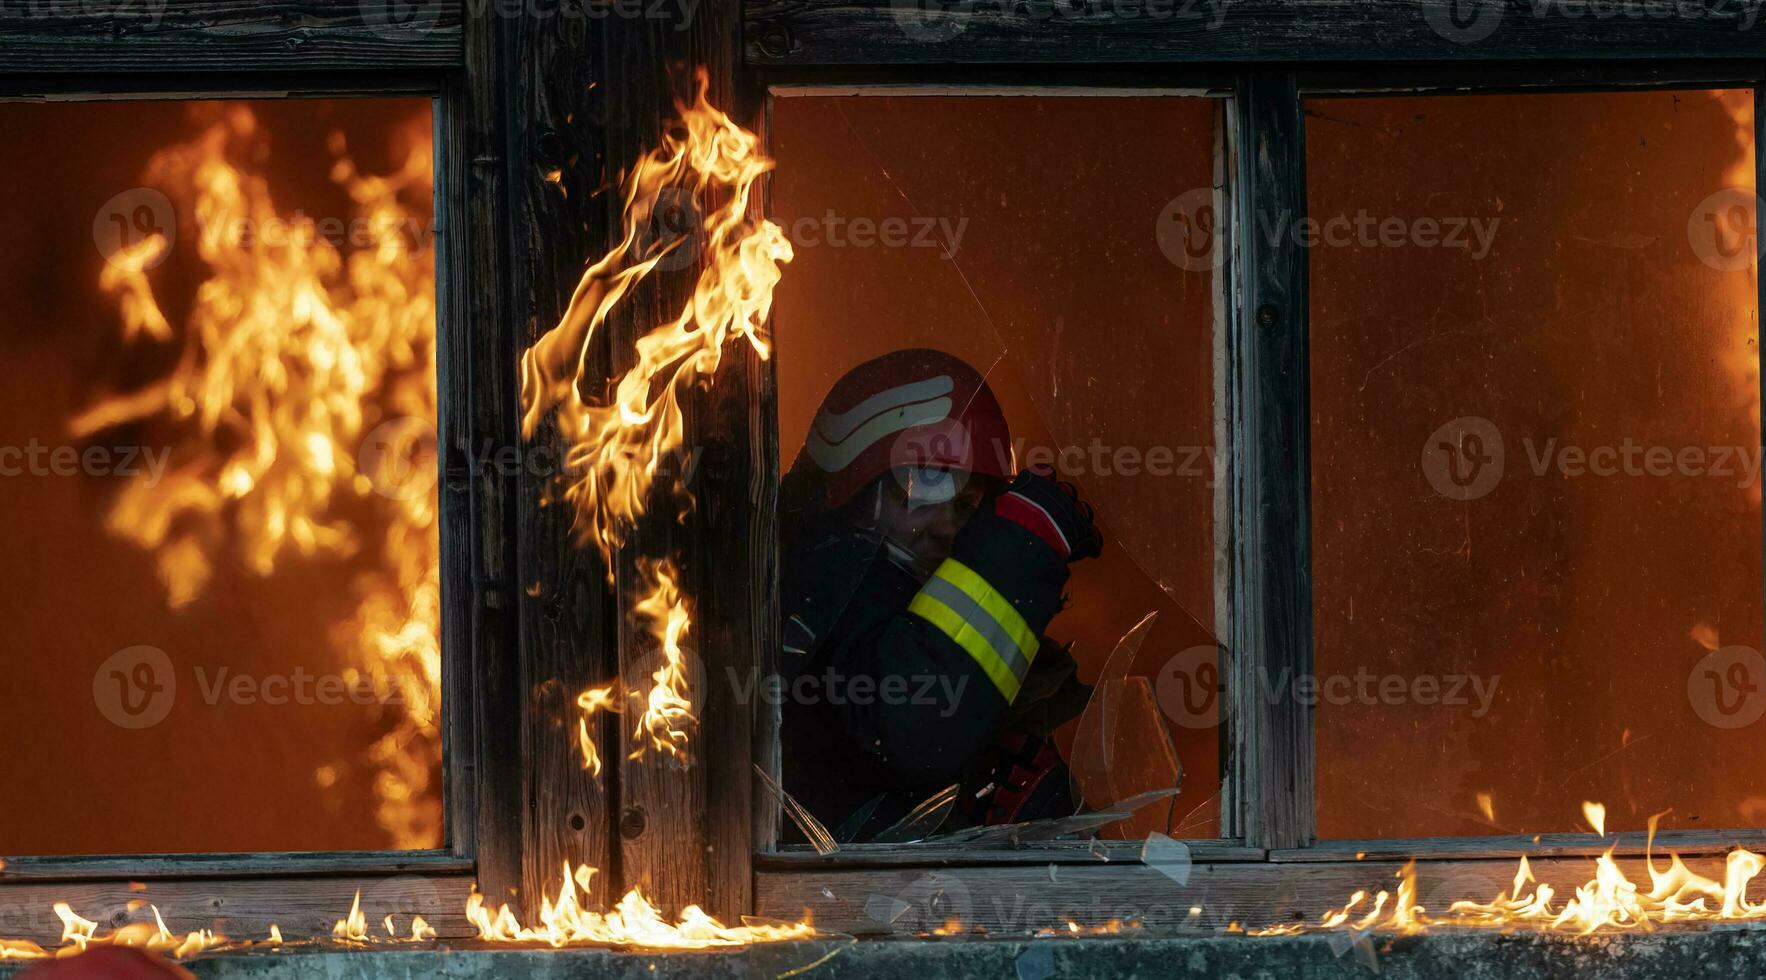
(1630, 843)
(1272, 540)
(1040, 853)
(482, 703)
(551, 81)
(155, 866)
(241, 909)
(210, 36)
(686, 822)
(1005, 901)
(874, 32)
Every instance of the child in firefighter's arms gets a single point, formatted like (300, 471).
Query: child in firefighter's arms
(919, 576)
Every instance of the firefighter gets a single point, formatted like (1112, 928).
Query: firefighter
(919, 577)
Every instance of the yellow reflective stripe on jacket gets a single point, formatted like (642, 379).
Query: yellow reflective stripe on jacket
(972, 613)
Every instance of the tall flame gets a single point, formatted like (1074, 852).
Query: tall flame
(291, 351)
(615, 448)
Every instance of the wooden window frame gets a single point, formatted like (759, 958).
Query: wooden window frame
(534, 115)
(1271, 866)
(201, 49)
(537, 109)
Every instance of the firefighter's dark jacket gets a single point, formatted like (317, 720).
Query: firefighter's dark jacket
(940, 659)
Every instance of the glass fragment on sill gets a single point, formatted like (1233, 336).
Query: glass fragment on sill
(1123, 747)
(1053, 828)
(852, 826)
(806, 822)
(885, 909)
(1170, 858)
(924, 820)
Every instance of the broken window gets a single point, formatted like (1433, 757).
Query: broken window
(984, 285)
(217, 478)
(1535, 461)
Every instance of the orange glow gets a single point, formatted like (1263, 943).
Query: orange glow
(632, 922)
(79, 933)
(1608, 901)
(353, 926)
(615, 448)
(296, 359)
(590, 701)
(666, 709)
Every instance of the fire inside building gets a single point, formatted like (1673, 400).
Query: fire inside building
(1061, 488)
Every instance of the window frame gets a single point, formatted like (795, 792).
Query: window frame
(1268, 787)
(513, 105)
(1086, 83)
(204, 49)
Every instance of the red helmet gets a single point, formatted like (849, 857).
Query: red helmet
(913, 408)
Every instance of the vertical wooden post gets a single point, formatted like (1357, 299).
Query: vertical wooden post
(1272, 567)
(481, 666)
(551, 83)
(686, 824)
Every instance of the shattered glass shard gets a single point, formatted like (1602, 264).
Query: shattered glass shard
(1169, 857)
(812, 828)
(923, 821)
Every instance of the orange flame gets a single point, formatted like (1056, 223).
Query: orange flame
(79, 933)
(291, 352)
(666, 708)
(615, 448)
(633, 922)
(1606, 902)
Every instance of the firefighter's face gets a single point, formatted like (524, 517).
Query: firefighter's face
(923, 513)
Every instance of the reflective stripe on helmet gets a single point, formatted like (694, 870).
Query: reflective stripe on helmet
(835, 456)
(963, 606)
(838, 438)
